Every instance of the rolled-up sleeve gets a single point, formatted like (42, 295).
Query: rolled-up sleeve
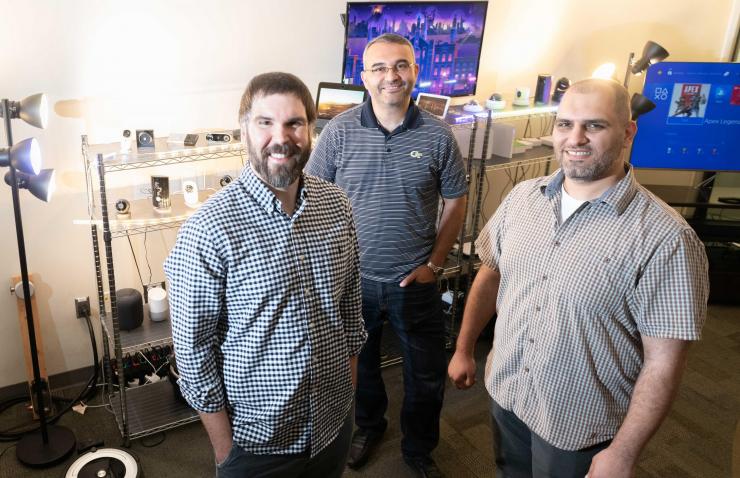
(196, 275)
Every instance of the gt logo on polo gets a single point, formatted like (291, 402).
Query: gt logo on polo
(415, 154)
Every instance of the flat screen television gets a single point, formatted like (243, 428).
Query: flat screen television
(447, 39)
(696, 122)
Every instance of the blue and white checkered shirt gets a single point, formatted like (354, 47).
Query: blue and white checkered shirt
(266, 310)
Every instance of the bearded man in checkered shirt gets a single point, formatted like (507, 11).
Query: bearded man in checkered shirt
(599, 288)
(265, 301)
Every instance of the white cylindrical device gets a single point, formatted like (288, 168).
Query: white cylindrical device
(159, 308)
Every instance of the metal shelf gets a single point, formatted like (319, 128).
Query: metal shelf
(162, 154)
(152, 408)
(144, 218)
(149, 334)
(450, 268)
(535, 155)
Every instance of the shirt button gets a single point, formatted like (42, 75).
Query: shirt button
(531, 341)
(388, 150)
(538, 308)
(526, 369)
(302, 257)
(544, 277)
(557, 243)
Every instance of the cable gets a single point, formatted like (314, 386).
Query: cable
(6, 449)
(146, 256)
(87, 393)
(138, 271)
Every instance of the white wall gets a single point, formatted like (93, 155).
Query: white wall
(181, 66)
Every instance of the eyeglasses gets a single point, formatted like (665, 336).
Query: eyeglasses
(400, 68)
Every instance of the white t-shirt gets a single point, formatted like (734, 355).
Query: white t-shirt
(568, 204)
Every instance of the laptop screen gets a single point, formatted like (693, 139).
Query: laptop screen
(335, 98)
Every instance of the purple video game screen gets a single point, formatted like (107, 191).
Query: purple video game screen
(447, 39)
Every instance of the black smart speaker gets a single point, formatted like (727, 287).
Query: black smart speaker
(130, 308)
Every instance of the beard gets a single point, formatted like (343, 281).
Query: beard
(283, 175)
(600, 165)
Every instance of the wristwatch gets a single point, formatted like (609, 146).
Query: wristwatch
(436, 269)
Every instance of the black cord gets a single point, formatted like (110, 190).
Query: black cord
(138, 271)
(146, 256)
(156, 443)
(6, 449)
(87, 393)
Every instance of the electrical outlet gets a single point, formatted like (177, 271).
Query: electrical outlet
(82, 307)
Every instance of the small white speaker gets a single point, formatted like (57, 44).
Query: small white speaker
(521, 96)
(159, 308)
(190, 193)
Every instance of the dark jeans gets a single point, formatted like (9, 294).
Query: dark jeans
(329, 462)
(520, 453)
(415, 314)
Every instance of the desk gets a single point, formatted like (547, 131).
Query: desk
(708, 230)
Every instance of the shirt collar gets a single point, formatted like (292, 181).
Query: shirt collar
(263, 195)
(618, 196)
(412, 120)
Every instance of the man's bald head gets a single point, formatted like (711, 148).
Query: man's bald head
(618, 92)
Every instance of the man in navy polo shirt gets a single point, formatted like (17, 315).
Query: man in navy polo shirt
(395, 161)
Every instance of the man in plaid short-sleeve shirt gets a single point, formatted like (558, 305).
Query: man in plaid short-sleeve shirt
(599, 288)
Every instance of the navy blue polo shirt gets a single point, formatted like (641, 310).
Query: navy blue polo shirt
(394, 180)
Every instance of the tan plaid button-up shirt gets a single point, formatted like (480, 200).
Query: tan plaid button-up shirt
(575, 299)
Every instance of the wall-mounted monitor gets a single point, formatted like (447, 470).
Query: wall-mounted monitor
(696, 122)
(447, 39)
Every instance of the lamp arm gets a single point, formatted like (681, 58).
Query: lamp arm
(628, 71)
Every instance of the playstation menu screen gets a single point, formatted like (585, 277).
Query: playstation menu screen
(696, 122)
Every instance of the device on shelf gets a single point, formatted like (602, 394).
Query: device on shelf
(335, 98)
(472, 106)
(496, 102)
(521, 96)
(434, 104)
(144, 138)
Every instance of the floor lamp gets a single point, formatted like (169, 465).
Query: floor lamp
(50, 444)
(652, 53)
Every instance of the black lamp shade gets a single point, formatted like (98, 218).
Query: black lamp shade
(41, 185)
(24, 156)
(651, 54)
(640, 104)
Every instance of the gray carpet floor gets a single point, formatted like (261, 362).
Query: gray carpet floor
(700, 437)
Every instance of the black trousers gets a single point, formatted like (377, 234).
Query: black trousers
(520, 453)
(328, 463)
(415, 314)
